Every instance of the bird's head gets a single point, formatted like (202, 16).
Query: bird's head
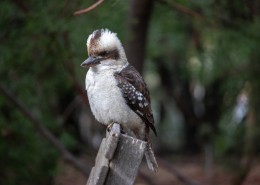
(104, 49)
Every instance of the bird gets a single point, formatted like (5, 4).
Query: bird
(116, 91)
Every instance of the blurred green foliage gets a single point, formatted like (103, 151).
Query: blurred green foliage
(41, 43)
(219, 45)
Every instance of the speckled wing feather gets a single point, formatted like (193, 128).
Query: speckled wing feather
(136, 94)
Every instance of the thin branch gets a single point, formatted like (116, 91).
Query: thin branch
(182, 9)
(44, 131)
(79, 12)
(180, 176)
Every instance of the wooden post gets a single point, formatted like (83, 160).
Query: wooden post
(118, 159)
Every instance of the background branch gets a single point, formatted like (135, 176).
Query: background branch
(181, 8)
(44, 131)
(79, 12)
(180, 176)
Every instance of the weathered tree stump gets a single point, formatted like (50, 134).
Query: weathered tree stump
(118, 159)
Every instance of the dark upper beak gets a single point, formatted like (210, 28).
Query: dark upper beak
(91, 61)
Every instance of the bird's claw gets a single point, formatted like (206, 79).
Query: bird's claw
(109, 127)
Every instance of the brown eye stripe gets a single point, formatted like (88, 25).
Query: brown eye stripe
(113, 54)
(103, 53)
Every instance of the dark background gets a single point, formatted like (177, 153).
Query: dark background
(200, 60)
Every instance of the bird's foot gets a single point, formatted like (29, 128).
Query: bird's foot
(110, 125)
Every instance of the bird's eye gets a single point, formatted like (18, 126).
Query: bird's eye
(103, 53)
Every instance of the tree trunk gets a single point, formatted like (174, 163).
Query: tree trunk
(139, 14)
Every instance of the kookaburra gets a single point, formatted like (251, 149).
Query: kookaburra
(117, 93)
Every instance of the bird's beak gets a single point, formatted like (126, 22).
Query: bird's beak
(91, 61)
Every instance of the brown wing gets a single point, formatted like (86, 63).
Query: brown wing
(136, 94)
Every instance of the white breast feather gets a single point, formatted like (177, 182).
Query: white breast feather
(106, 100)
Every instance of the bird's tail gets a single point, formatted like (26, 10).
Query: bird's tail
(150, 158)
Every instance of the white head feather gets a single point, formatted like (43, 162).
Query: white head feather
(105, 40)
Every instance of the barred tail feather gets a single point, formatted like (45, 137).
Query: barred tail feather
(150, 158)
